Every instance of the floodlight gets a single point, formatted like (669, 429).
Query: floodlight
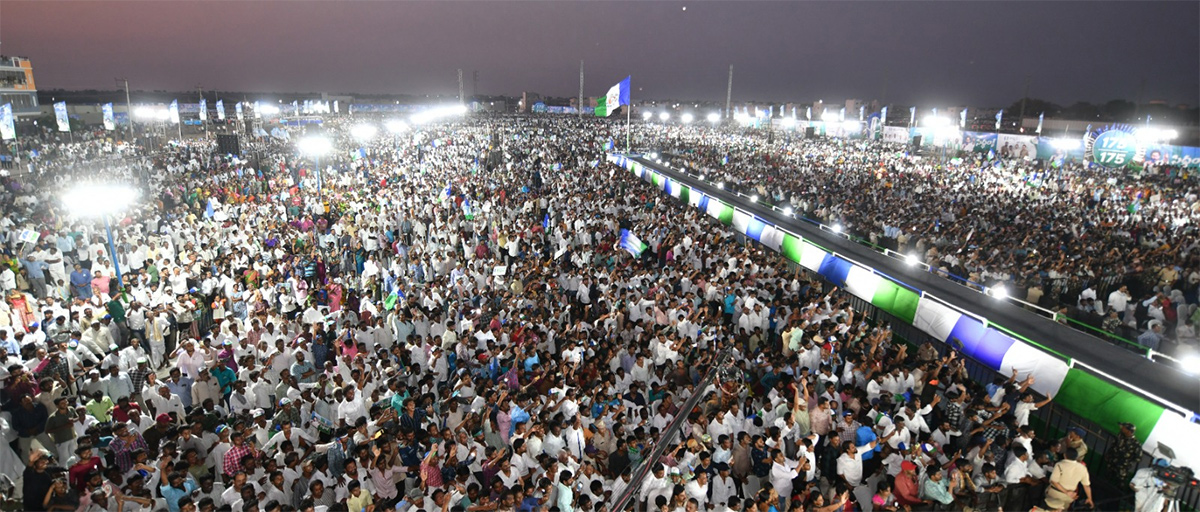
(911, 260)
(664, 116)
(999, 292)
(714, 118)
(787, 210)
(364, 132)
(97, 200)
(396, 126)
(935, 121)
(687, 118)
(837, 228)
(315, 146)
(646, 116)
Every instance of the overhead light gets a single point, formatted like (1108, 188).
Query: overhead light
(686, 118)
(787, 210)
(646, 116)
(714, 118)
(911, 260)
(837, 228)
(999, 292)
(664, 116)
(754, 198)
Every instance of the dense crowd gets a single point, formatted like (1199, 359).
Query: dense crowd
(444, 319)
(1111, 249)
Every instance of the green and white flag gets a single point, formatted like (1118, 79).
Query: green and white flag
(617, 95)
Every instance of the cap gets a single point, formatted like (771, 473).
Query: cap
(284, 401)
(1076, 430)
(1127, 425)
(415, 493)
(258, 413)
(908, 466)
(141, 360)
(163, 418)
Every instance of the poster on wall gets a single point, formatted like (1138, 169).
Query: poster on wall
(895, 134)
(1016, 146)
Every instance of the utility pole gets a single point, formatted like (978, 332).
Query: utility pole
(580, 89)
(1137, 103)
(461, 98)
(128, 106)
(1021, 122)
(729, 92)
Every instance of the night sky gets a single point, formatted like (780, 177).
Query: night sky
(928, 53)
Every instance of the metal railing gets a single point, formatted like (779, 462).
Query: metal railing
(912, 260)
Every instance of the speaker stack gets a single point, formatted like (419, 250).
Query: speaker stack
(228, 145)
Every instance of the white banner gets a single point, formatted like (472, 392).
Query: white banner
(60, 115)
(896, 134)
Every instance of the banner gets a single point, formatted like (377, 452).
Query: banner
(221, 110)
(1016, 146)
(238, 109)
(60, 115)
(174, 110)
(895, 134)
(979, 142)
(203, 110)
(8, 129)
(109, 124)
(1181, 156)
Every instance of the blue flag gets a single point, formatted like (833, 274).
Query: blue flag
(999, 115)
(962, 118)
(208, 209)
(546, 221)
(912, 115)
(883, 116)
(1041, 117)
(630, 242)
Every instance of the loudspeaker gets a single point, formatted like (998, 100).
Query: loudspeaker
(810, 133)
(916, 142)
(229, 145)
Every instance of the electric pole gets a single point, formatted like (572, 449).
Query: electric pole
(1021, 123)
(461, 98)
(128, 105)
(729, 92)
(581, 89)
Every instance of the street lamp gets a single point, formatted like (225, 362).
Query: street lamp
(315, 147)
(100, 200)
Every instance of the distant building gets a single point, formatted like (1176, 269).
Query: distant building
(17, 86)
